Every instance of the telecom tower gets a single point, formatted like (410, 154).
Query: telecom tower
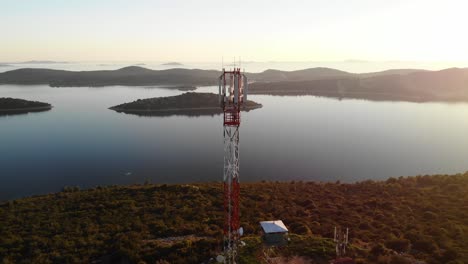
(232, 94)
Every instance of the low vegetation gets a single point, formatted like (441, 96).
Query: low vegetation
(400, 220)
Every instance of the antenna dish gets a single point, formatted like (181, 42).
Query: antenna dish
(241, 231)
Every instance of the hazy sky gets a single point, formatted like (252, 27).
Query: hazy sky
(206, 30)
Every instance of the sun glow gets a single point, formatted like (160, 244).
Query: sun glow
(287, 31)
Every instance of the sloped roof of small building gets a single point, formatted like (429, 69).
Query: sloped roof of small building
(276, 226)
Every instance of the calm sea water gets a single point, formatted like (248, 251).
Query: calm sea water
(82, 143)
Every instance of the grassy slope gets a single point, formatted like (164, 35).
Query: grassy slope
(426, 217)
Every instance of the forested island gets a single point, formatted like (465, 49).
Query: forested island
(16, 106)
(184, 104)
(400, 220)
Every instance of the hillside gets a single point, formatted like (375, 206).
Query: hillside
(134, 76)
(131, 76)
(299, 75)
(393, 221)
(390, 72)
(450, 85)
(184, 104)
(400, 84)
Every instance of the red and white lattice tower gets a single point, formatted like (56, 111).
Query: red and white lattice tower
(232, 94)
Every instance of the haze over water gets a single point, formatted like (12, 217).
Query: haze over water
(82, 143)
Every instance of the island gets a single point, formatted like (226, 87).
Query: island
(173, 64)
(421, 219)
(180, 87)
(5, 65)
(43, 62)
(190, 104)
(18, 106)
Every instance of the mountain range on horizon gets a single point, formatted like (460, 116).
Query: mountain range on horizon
(395, 84)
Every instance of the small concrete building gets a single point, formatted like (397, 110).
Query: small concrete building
(275, 233)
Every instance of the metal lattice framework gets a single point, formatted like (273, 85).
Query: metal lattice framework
(341, 241)
(233, 92)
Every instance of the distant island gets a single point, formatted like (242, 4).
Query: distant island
(42, 62)
(181, 87)
(5, 65)
(173, 64)
(414, 85)
(192, 104)
(18, 106)
(355, 61)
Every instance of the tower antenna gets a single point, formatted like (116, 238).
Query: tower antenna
(232, 93)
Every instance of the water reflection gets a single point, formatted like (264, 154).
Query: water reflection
(22, 112)
(82, 143)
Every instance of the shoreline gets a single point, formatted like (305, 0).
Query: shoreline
(351, 95)
(136, 185)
